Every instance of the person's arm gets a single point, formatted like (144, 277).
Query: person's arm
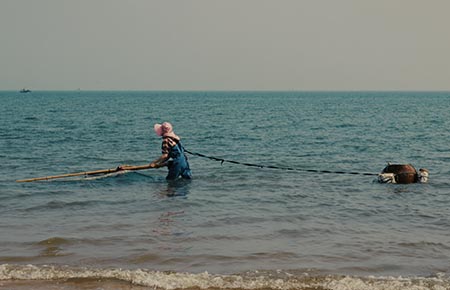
(160, 162)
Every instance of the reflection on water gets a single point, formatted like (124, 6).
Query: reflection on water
(178, 187)
(169, 228)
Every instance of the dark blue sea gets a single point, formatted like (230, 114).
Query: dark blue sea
(232, 226)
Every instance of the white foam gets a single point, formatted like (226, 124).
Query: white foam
(173, 280)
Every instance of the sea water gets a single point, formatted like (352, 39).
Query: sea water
(232, 226)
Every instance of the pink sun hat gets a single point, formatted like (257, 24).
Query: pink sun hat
(163, 128)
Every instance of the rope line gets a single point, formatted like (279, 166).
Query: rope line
(277, 167)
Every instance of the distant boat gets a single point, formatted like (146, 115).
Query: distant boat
(25, 90)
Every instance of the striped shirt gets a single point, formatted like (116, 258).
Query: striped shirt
(167, 144)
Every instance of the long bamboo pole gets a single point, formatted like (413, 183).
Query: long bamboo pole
(94, 172)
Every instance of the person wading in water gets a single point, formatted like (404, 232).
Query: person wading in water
(173, 155)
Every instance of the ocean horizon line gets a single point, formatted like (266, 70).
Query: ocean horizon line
(234, 90)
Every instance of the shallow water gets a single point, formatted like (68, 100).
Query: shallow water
(231, 218)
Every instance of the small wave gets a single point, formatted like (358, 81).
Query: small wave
(61, 204)
(52, 247)
(39, 193)
(61, 242)
(425, 244)
(55, 241)
(144, 258)
(251, 280)
(31, 118)
(93, 158)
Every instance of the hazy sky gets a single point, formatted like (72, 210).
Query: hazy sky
(225, 45)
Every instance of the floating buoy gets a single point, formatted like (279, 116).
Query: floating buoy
(402, 174)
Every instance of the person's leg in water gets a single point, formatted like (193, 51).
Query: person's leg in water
(177, 168)
(186, 170)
